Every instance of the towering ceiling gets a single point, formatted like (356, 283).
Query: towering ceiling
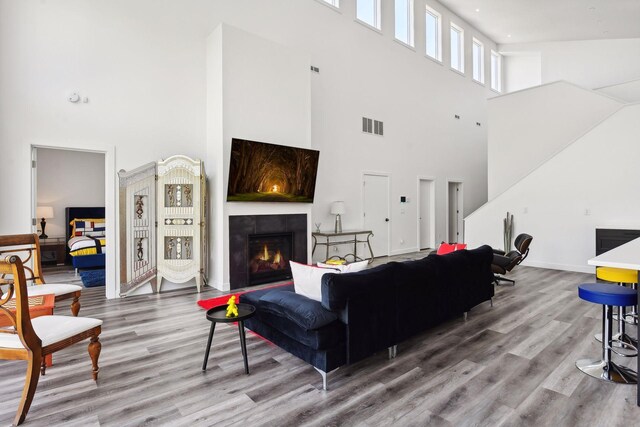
(531, 21)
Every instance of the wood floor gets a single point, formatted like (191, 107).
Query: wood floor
(511, 364)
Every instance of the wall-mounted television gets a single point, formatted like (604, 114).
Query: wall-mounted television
(262, 172)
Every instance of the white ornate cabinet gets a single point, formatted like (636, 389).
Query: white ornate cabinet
(163, 224)
(181, 215)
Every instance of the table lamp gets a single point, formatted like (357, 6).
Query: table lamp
(337, 209)
(44, 212)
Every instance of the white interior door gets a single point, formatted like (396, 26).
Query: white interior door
(454, 215)
(376, 211)
(426, 213)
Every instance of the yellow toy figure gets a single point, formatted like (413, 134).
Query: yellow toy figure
(232, 308)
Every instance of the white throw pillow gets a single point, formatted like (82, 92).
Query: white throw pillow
(347, 268)
(307, 279)
(355, 266)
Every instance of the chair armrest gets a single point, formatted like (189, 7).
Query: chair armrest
(498, 252)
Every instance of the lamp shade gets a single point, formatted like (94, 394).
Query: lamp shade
(44, 212)
(337, 208)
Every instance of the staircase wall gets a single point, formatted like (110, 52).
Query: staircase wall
(628, 91)
(528, 127)
(592, 182)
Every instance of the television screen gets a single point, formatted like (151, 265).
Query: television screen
(261, 172)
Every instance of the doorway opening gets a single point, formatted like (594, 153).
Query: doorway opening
(72, 177)
(376, 210)
(455, 212)
(426, 213)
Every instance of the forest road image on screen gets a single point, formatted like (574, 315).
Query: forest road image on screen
(261, 172)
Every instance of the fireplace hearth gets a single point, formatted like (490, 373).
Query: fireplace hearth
(261, 246)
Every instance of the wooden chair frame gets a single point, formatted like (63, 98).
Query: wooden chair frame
(27, 247)
(33, 351)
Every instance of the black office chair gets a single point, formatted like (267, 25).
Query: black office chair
(504, 262)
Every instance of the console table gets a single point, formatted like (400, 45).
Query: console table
(327, 235)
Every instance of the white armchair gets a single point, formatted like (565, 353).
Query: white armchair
(34, 340)
(27, 247)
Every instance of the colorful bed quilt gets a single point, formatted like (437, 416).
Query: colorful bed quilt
(87, 245)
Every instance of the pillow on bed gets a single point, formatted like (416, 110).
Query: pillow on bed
(88, 227)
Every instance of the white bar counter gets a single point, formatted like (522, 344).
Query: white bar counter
(625, 256)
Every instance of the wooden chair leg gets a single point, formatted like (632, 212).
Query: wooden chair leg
(30, 384)
(75, 304)
(94, 352)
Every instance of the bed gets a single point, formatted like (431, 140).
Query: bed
(86, 234)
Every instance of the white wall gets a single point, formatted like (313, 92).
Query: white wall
(68, 179)
(592, 182)
(363, 73)
(528, 127)
(521, 70)
(265, 96)
(142, 66)
(588, 63)
(628, 91)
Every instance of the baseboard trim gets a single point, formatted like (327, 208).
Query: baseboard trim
(403, 251)
(564, 267)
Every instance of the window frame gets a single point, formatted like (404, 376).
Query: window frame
(475, 42)
(411, 23)
(333, 3)
(377, 16)
(455, 27)
(496, 71)
(438, 42)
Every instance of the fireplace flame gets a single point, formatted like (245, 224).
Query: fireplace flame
(265, 254)
(278, 258)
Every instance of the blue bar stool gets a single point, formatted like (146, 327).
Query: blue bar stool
(609, 296)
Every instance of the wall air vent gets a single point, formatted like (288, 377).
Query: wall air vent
(378, 127)
(372, 126)
(367, 125)
(315, 69)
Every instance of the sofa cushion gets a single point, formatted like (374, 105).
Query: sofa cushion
(329, 336)
(305, 312)
(326, 337)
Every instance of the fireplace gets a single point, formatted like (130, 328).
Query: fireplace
(269, 256)
(249, 263)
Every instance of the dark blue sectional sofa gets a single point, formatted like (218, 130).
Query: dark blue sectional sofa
(372, 310)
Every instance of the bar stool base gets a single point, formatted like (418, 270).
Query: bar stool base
(628, 344)
(607, 372)
(629, 318)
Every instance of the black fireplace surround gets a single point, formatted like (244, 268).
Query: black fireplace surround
(241, 253)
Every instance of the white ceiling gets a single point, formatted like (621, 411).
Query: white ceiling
(532, 21)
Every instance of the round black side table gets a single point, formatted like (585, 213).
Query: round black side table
(218, 315)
